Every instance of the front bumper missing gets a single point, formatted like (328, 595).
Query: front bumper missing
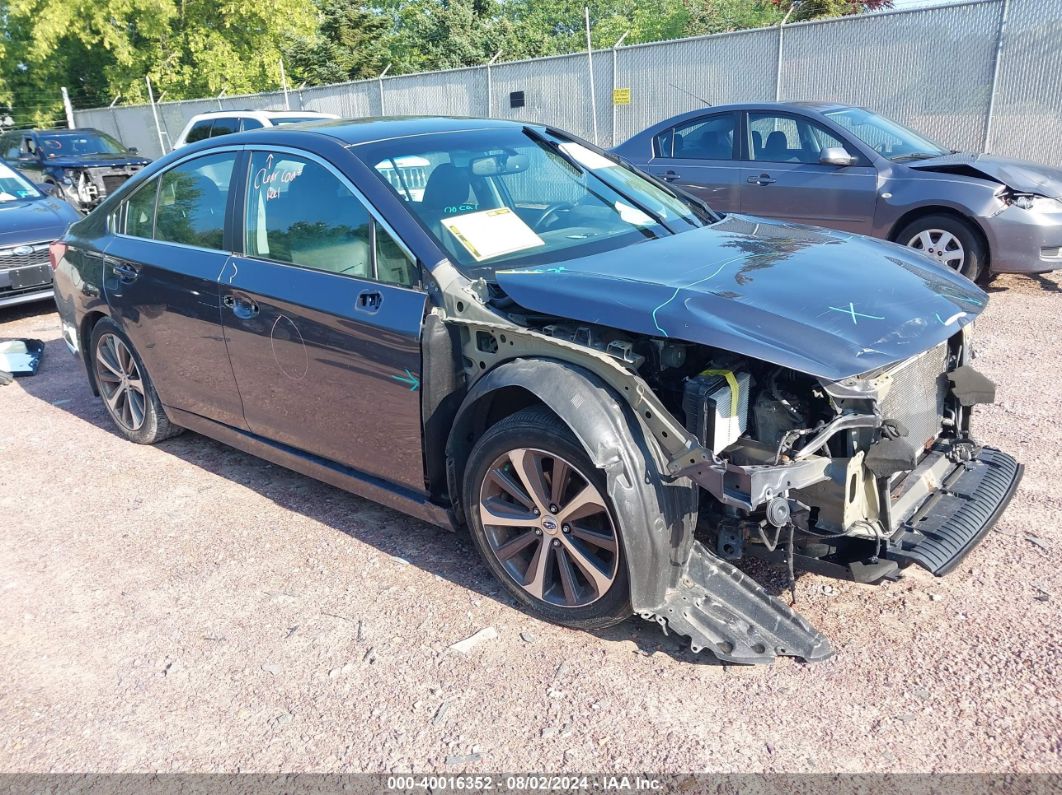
(959, 514)
(729, 614)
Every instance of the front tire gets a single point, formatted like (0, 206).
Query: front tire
(539, 513)
(123, 382)
(948, 241)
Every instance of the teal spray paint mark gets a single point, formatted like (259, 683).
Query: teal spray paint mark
(678, 290)
(850, 311)
(412, 380)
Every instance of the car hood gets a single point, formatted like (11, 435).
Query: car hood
(1018, 175)
(825, 303)
(34, 221)
(96, 161)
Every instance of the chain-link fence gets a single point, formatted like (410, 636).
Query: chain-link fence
(983, 75)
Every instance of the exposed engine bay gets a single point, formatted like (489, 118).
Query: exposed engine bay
(86, 187)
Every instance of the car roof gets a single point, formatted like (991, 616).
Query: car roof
(354, 132)
(276, 114)
(73, 131)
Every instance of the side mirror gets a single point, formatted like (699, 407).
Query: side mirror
(134, 150)
(836, 156)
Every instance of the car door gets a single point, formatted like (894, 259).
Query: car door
(323, 320)
(699, 156)
(783, 178)
(161, 281)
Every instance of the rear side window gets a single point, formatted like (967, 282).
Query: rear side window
(300, 212)
(251, 124)
(710, 138)
(192, 201)
(224, 127)
(200, 131)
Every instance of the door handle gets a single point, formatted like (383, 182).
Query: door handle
(125, 272)
(670, 176)
(369, 301)
(243, 308)
(762, 179)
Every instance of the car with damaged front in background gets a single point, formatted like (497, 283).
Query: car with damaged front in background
(620, 392)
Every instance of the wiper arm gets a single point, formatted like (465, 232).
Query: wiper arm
(915, 156)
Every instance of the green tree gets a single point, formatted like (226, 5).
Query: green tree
(350, 42)
(101, 48)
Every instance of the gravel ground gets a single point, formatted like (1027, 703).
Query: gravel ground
(188, 607)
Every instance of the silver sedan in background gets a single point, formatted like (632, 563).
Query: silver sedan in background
(849, 168)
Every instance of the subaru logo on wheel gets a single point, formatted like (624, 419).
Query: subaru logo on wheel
(549, 524)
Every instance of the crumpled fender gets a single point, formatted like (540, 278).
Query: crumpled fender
(674, 580)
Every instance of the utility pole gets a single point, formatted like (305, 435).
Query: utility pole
(155, 114)
(69, 109)
(778, 73)
(379, 79)
(284, 85)
(490, 85)
(590, 67)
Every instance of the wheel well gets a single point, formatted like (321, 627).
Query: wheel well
(922, 212)
(88, 322)
(473, 422)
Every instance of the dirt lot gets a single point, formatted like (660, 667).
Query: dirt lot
(188, 607)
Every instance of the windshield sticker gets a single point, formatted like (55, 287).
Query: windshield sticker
(586, 158)
(632, 215)
(492, 233)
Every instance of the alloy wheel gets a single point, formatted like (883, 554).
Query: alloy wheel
(940, 245)
(549, 528)
(120, 382)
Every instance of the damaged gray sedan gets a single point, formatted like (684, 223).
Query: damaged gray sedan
(620, 392)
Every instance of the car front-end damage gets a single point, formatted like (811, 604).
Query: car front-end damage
(736, 440)
(85, 184)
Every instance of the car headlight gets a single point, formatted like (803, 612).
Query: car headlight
(1038, 204)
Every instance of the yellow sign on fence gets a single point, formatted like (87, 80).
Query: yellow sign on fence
(621, 96)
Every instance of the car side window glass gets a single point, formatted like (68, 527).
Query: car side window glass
(787, 139)
(200, 130)
(247, 123)
(140, 211)
(710, 138)
(192, 201)
(224, 127)
(300, 212)
(393, 265)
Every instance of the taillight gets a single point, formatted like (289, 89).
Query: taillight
(56, 252)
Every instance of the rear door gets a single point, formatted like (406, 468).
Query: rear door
(782, 176)
(323, 315)
(699, 156)
(161, 281)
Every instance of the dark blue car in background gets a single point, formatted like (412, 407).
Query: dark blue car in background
(29, 220)
(82, 166)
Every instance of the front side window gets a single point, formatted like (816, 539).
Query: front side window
(200, 131)
(301, 213)
(224, 126)
(788, 139)
(515, 196)
(192, 201)
(709, 138)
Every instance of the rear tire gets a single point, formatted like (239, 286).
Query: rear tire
(125, 387)
(566, 562)
(949, 241)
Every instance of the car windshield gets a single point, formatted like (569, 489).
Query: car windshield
(885, 136)
(14, 187)
(80, 143)
(512, 197)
